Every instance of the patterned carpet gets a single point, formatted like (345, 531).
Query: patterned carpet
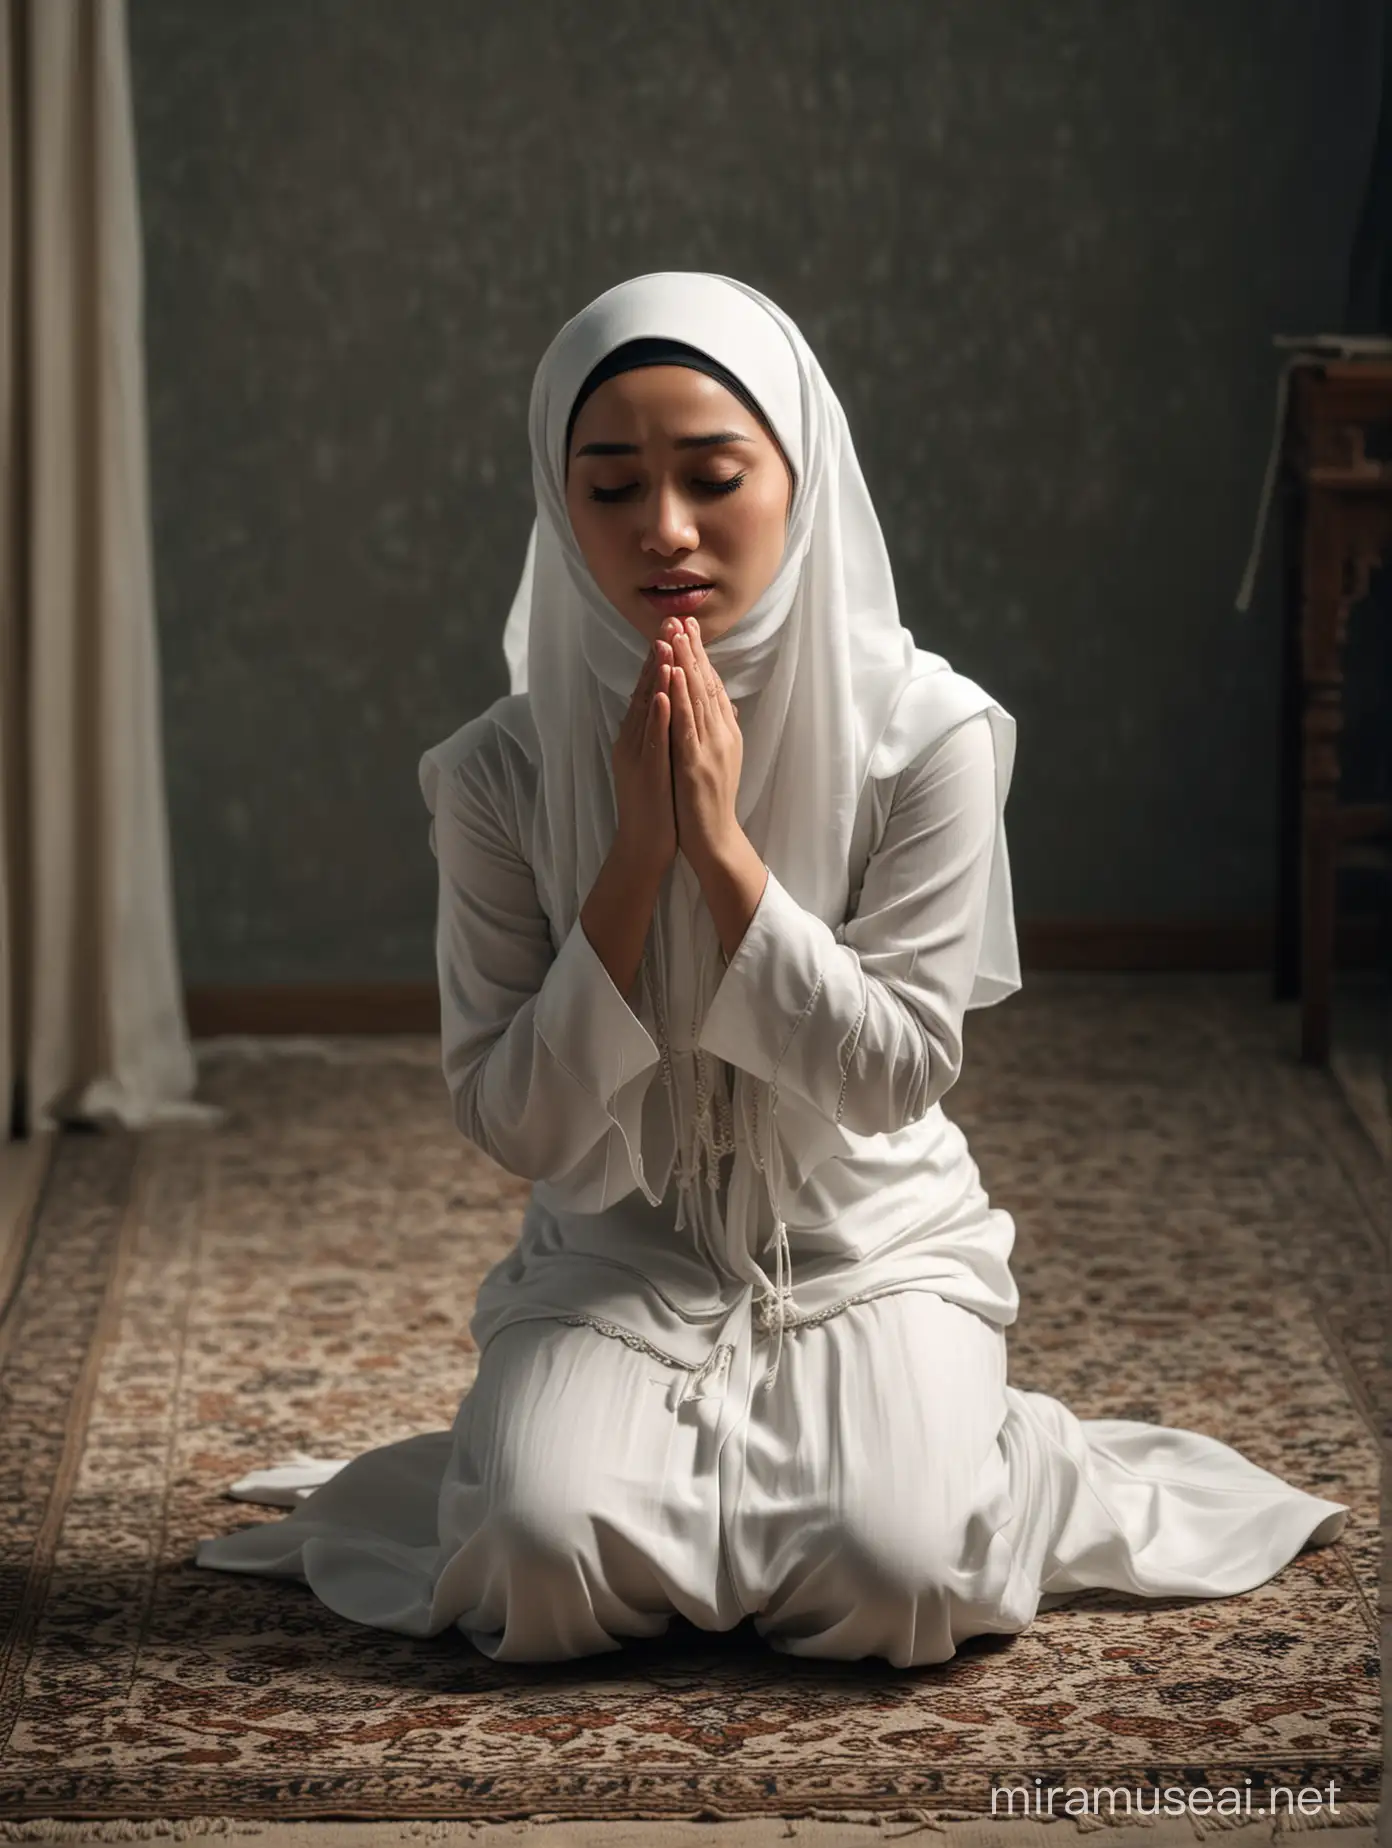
(1197, 1245)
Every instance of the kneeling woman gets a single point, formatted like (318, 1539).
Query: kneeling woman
(719, 880)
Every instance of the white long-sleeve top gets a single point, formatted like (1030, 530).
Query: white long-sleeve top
(551, 1070)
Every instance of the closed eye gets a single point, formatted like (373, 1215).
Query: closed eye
(710, 487)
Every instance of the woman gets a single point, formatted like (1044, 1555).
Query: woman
(718, 883)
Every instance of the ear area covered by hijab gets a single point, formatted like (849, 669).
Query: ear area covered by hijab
(831, 689)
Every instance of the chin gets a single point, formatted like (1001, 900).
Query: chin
(720, 622)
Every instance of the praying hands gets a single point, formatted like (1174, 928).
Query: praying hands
(707, 751)
(676, 763)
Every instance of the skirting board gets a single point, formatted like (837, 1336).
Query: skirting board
(1090, 944)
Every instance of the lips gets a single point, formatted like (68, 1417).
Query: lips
(681, 599)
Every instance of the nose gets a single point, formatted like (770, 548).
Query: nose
(668, 526)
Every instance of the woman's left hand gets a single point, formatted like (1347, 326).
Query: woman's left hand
(707, 750)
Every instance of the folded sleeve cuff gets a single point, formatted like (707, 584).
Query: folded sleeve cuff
(587, 1025)
(769, 985)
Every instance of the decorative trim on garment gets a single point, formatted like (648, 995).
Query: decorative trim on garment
(851, 1042)
(767, 1319)
(807, 1007)
(628, 1337)
(718, 1360)
(708, 1381)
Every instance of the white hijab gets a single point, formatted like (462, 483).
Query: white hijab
(830, 687)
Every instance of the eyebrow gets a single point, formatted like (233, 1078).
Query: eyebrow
(715, 438)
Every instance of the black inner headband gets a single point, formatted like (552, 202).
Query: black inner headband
(657, 352)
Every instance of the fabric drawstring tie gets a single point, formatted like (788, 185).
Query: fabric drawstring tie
(710, 1134)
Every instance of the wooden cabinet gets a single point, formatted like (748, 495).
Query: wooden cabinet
(1337, 517)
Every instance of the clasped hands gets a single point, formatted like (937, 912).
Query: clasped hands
(677, 761)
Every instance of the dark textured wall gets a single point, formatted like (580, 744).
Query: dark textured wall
(1039, 245)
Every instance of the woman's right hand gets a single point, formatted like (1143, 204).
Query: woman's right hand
(642, 763)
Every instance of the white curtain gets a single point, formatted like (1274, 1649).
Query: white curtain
(92, 1017)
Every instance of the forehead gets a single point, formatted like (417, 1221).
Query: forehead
(660, 401)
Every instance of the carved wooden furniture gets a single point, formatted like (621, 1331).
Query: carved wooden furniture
(1337, 507)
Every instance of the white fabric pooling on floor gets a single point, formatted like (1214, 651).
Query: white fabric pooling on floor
(891, 1496)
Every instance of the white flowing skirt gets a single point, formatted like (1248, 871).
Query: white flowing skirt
(890, 1495)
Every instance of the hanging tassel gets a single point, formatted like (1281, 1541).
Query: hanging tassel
(709, 1141)
(712, 1133)
(773, 1311)
(689, 1149)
